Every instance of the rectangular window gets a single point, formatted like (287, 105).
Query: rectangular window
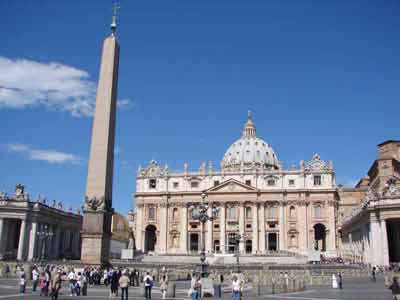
(216, 182)
(291, 182)
(248, 212)
(216, 226)
(318, 212)
(175, 185)
(248, 226)
(194, 184)
(272, 212)
(271, 182)
(232, 213)
(248, 182)
(317, 180)
(152, 213)
(152, 183)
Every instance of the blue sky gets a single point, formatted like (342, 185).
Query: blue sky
(319, 76)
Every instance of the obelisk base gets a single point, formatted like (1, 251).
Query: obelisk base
(96, 238)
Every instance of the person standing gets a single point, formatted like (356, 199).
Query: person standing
(79, 284)
(196, 287)
(55, 285)
(334, 282)
(72, 282)
(395, 287)
(373, 273)
(35, 279)
(148, 284)
(164, 286)
(235, 288)
(113, 285)
(340, 281)
(124, 284)
(22, 282)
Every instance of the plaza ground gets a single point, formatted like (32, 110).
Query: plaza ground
(360, 288)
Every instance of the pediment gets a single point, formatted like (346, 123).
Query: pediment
(231, 186)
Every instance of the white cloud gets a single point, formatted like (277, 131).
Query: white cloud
(51, 156)
(347, 181)
(25, 83)
(125, 104)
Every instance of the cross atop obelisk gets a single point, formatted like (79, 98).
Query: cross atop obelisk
(96, 231)
(113, 25)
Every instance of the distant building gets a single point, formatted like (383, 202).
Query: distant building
(275, 209)
(120, 235)
(35, 230)
(371, 231)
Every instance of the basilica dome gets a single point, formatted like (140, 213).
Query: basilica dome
(249, 152)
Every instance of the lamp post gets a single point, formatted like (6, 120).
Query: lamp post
(199, 212)
(238, 239)
(44, 235)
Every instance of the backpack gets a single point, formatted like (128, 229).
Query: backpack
(147, 280)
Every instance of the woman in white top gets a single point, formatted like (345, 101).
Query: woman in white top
(235, 288)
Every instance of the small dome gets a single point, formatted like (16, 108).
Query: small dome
(249, 151)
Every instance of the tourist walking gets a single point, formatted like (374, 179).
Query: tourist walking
(164, 286)
(55, 285)
(124, 284)
(196, 287)
(235, 288)
(84, 283)
(79, 283)
(22, 282)
(395, 287)
(113, 285)
(72, 282)
(7, 271)
(373, 274)
(35, 279)
(340, 281)
(148, 284)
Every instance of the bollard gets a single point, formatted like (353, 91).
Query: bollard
(171, 290)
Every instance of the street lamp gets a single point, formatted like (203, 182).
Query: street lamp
(44, 235)
(238, 239)
(199, 212)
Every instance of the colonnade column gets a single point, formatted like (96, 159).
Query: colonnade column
(376, 242)
(21, 243)
(384, 244)
(262, 228)
(209, 235)
(255, 229)
(222, 227)
(139, 225)
(57, 242)
(32, 241)
(241, 226)
(184, 229)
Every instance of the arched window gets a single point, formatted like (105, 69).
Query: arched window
(248, 212)
(292, 213)
(175, 214)
(232, 213)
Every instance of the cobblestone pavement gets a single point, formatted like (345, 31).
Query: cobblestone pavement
(362, 289)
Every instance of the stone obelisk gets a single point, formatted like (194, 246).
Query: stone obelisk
(96, 229)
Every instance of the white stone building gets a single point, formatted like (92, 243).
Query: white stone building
(273, 208)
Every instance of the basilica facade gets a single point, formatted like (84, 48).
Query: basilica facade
(272, 208)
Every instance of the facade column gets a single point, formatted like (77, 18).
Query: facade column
(282, 244)
(261, 224)
(163, 229)
(384, 244)
(57, 243)
(222, 226)
(209, 235)
(32, 241)
(255, 229)
(241, 227)
(184, 229)
(21, 243)
(139, 228)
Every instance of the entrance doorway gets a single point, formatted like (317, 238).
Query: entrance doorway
(272, 241)
(249, 246)
(232, 244)
(320, 237)
(393, 234)
(150, 238)
(194, 242)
